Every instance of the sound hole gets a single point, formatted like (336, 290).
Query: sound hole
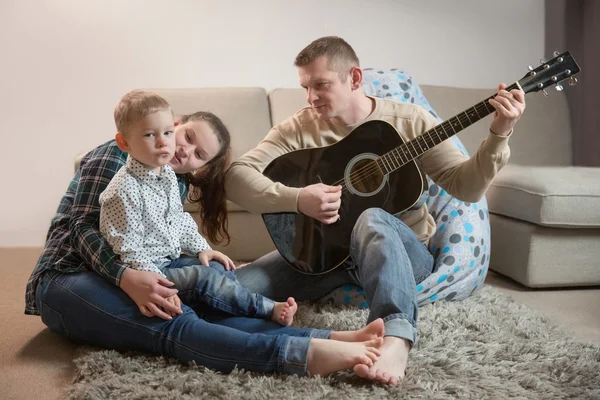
(365, 176)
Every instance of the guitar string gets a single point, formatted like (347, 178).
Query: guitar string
(425, 141)
(373, 168)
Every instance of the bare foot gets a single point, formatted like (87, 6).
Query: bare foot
(328, 356)
(374, 330)
(391, 365)
(284, 312)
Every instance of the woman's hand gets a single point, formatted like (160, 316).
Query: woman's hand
(207, 255)
(150, 291)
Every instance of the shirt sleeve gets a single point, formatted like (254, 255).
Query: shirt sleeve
(465, 178)
(248, 187)
(191, 240)
(86, 239)
(122, 225)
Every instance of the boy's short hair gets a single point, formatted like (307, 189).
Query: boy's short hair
(340, 55)
(136, 105)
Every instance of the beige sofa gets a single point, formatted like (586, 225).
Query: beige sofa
(545, 214)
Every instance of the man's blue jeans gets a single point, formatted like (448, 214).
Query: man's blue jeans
(85, 308)
(387, 261)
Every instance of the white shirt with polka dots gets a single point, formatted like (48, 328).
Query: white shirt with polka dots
(142, 218)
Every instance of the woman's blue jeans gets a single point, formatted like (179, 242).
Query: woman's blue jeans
(87, 309)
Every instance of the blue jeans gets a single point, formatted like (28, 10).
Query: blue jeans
(85, 308)
(387, 261)
(216, 289)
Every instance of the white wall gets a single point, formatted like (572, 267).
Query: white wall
(65, 63)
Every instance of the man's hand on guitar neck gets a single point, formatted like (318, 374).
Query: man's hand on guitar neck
(320, 202)
(509, 108)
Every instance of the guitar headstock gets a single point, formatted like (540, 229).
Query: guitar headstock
(552, 72)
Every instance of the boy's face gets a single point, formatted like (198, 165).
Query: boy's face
(151, 140)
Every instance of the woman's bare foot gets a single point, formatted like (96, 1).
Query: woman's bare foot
(391, 365)
(328, 356)
(284, 312)
(374, 330)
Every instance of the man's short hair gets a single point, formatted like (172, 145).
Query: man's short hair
(340, 55)
(136, 105)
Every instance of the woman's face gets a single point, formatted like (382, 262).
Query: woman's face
(195, 144)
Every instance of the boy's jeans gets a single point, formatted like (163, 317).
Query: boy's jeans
(216, 289)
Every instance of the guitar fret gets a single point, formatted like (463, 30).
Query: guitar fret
(476, 112)
(381, 166)
(485, 103)
(383, 160)
(468, 117)
(438, 134)
(417, 140)
(394, 161)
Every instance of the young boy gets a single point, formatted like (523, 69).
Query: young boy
(143, 220)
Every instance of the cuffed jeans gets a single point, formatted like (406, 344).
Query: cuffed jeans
(386, 259)
(217, 289)
(86, 308)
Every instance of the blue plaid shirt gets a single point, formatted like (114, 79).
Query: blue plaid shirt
(74, 242)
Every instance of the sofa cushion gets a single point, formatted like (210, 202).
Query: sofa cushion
(567, 197)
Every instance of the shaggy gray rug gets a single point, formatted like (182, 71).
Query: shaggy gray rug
(484, 347)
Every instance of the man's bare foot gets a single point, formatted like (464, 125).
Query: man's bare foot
(284, 312)
(328, 356)
(391, 365)
(374, 330)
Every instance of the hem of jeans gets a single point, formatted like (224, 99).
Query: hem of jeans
(266, 306)
(401, 328)
(319, 333)
(293, 356)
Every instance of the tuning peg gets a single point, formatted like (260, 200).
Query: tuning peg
(556, 53)
(572, 81)
(545, 93)
(542, 61)
(558, 87)
(529, 67)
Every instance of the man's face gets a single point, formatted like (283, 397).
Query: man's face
(195, 144)
(151, 140)
(325, 92)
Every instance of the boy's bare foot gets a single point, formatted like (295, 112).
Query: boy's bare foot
(328, 356)
(391, 365)
(284, 312)
(374, 330)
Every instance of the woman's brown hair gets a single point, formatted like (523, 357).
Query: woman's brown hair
(208, 183)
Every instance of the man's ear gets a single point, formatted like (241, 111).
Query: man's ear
(122, 142)
(356, 75)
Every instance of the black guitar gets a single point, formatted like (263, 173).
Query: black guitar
(375, 167)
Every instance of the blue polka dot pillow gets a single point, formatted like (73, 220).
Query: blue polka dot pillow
(461, 244)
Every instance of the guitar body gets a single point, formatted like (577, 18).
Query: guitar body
(312, 247)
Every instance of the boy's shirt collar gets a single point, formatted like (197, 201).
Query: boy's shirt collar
(143, 172)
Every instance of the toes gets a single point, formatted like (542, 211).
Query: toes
(361, 370)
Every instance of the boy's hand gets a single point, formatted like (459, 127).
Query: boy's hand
(175, 301)
(207, 255)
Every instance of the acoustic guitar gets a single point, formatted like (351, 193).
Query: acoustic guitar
(376, 167)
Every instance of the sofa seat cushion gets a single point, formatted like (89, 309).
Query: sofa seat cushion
(556, 196)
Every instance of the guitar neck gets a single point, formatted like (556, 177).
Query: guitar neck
(408, 151)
